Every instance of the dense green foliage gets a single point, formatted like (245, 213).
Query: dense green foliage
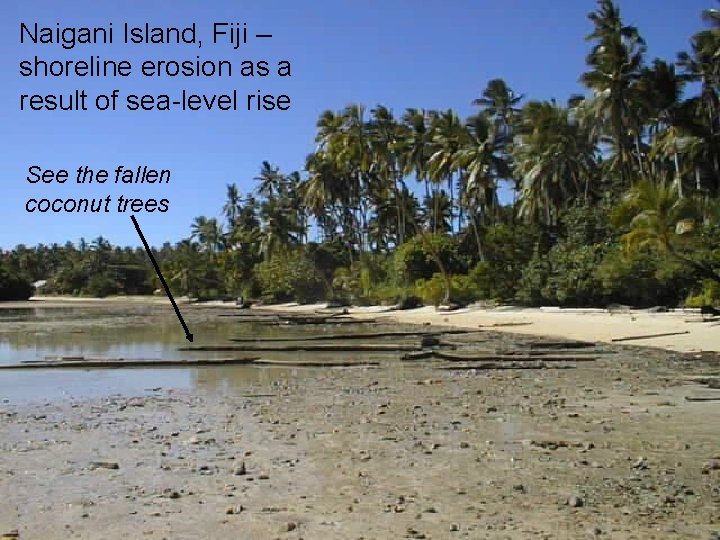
(614, 199)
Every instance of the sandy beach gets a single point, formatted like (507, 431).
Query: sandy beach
(691, 334)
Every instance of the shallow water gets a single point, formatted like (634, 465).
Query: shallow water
(155, 335)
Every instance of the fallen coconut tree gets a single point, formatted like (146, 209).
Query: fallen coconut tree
(107, 363)
(481, 356)
(353, 336)
(328, 347)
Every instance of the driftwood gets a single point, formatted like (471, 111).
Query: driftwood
(561, 345)
(331, 347)
(650, 336)
(454, 357)
(117, 363)
(482, 366)
(314, 363)
(358, 335)
(113, 363)
(495, 325)
(419, 355)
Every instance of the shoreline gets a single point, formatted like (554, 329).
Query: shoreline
(687, 331)
(592, 325)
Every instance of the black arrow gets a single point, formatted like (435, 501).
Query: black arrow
(188, 335)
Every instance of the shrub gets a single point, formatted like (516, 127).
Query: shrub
(290, 276)
(415, 260)
(13, 286)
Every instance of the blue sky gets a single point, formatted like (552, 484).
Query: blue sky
(400, 53)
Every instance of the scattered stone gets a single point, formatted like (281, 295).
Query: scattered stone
(112, 465)
(711, 465)
(641, 464)
(232, 510)
(240, 470)
(289, 526)
(575, 501)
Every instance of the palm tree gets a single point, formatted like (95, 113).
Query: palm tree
(615, 61)
(448, 133)
(555, 160)
(270, 181)
(712, 16)
(415, 145)
(386, 141)
(654, 212)
(208, 233)
(231, 208)
(499, 102)
(702, 65)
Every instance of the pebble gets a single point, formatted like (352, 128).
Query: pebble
(232, 510)
(112, 465)
(711, 465)
(289, 526)
(575, 501)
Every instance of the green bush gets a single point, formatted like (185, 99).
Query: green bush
(290, 276)
(415, 259)
(463, 289)
(13, 286)
(100, 286)
(708, 296)
(432, 291)
(643, 279)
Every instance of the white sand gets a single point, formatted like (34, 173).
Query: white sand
(579, 324)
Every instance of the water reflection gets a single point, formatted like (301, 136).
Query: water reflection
(132, 340)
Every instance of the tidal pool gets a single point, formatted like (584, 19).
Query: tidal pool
(133, 332)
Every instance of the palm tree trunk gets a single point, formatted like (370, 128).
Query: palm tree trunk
(481, 254)
(678, 179)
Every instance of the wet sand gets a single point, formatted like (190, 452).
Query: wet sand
(611, 449)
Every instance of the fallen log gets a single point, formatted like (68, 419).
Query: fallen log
(650, 336)
(418, 355)
(454, 357)
(561, 345)
(357, 335)
(486, 366)
(495, 325)
(115, 363)
(331, 347)
(314, 363)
